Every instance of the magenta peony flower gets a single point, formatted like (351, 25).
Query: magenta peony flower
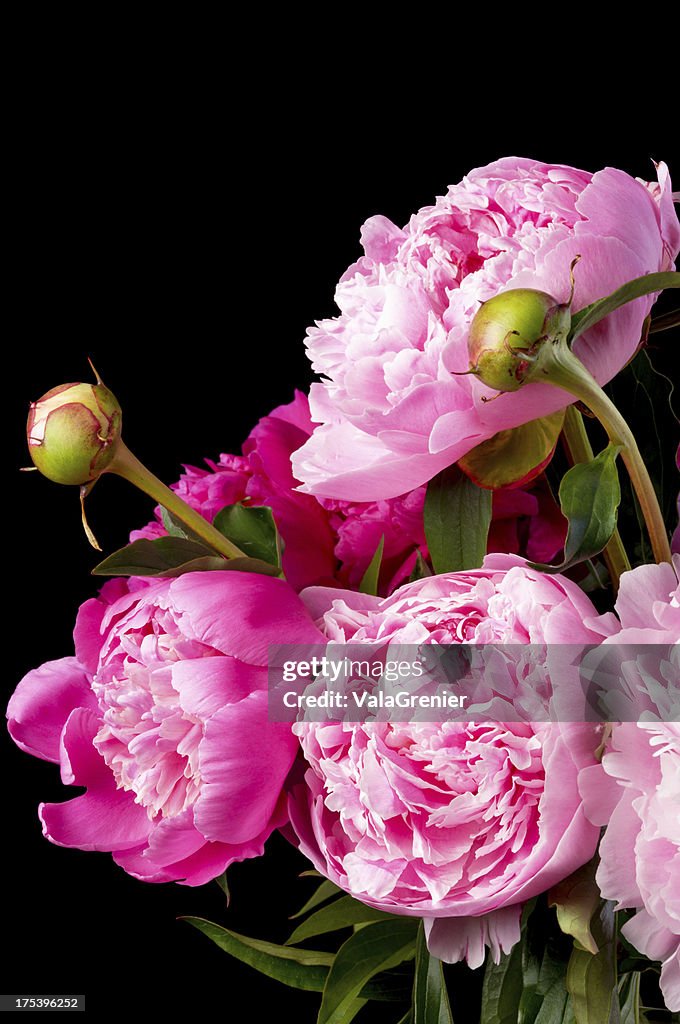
(331, 542)
(162, 716)
(455, 819)
(391, 412)
(635, 792)
(263, 475)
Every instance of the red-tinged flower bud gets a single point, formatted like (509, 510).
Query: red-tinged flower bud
(73, 432)
(507, 332)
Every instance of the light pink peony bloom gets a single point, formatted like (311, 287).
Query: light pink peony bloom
(450, 820)
(647, 607)
(391, 412)
(635, 792)
(162, 716)
(332, 542)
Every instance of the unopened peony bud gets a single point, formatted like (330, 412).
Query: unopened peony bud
(507, 332)
(73, 432)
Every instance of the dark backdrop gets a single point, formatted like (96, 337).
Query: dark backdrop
(184, 237)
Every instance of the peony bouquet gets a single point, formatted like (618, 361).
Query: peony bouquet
(426, 625)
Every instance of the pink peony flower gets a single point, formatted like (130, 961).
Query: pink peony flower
(162, 716)
(391, 412)
(331, 542)
(635, 792)
(647, 607)
(459, 822)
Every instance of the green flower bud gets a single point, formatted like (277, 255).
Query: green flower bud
(507, 332)
(73, 432)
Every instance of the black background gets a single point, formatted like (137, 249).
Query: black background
(184, 235)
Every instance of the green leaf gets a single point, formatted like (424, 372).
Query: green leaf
(430, 998)
(544, 969)
(556, 1006)
(174, 527)
(515, 455)
(629, 997)
(369, 581)
(457, 515)
(502, 988)
(393, 986)
(172, 556)
(421, 569)
(153, 557)
(665, 322)
(342, 913)
(373, 949)
(252, 529)
(585, 318)
(590, 494)
(591, 979)
(224, 885)
(576, 899)
(323, 893)
(299, 968)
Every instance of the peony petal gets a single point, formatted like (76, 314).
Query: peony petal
(206, 684)
(269, 612)
(244, 760)
(42, 702)
(104, 818)
(452, 939)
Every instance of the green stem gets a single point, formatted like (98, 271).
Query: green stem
(128, 466)
(560, 366)
(579, 449)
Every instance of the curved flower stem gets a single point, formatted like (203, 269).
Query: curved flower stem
(128, 466)
(557, 364)
(579, 449)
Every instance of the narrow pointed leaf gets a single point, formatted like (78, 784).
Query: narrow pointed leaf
(421, 569)
(502, 988)
(342, 913)
(457, 515)
(375, 948)
(167, 557)
(323, 893)
(430, 998)
(629, 997)
(585, 318)
(556, 1006)
(298, 968)
(591, 979)
(369, 581)
(224, 885)
(175, 528)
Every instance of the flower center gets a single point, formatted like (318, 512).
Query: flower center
(148, 741)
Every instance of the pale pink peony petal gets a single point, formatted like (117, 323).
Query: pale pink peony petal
(452, 939)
